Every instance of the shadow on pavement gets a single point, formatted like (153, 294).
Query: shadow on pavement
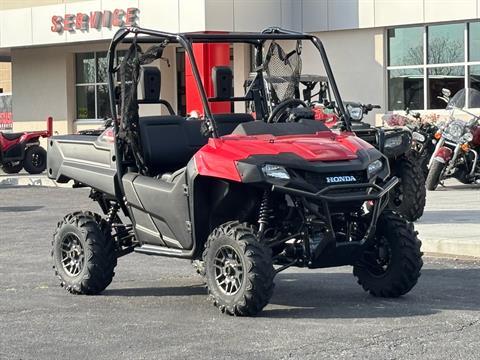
(19, 208)
(336, 295)
(160, 291)
(450, 216)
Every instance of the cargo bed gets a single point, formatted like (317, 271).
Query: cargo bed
(87, 160)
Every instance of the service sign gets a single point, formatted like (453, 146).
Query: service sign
(95, 20)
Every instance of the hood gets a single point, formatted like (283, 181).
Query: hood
(326, 146)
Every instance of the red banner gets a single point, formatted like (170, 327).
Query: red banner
(6, 121)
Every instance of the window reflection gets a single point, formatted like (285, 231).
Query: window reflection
(446, 43)
(448, 77)
(405, 89)
(405, 46)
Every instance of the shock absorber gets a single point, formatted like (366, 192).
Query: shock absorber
(112, 213)
(264, 214)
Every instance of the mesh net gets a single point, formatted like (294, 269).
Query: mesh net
(130, 67)
(283, 71)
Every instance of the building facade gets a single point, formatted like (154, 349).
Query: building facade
(395, 53)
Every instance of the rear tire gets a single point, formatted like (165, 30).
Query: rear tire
(35, 160)
(434, 175)
(238, 269)
(410, 197)
(391, 267)
(9, 168)
(83, 253)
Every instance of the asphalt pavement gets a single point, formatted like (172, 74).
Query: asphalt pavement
(157, 308)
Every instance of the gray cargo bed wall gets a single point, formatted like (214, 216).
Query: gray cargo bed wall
(84, 159)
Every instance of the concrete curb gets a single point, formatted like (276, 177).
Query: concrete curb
(21, 180)
(454, 247)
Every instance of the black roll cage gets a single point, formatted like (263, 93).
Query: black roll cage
(147, 36)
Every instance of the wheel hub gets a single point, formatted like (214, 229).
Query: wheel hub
(73, 255)
(228, 270)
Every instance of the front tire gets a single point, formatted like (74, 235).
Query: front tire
(83, 253)
(12, 168)
(238, 269)
(391, 267)
(409, 198)
(35, 160)
(434, 175)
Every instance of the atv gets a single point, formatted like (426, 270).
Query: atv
(242, 198)
(409, 198)
(22, 150)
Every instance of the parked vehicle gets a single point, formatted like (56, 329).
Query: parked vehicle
(22, 150)
(245, 200)
(456, 152)
(409, 198)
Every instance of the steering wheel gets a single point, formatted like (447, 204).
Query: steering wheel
(280, 112)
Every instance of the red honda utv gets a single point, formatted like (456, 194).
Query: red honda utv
(241, 197)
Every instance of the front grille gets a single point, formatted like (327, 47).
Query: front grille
(338, 178)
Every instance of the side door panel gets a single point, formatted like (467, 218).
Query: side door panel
(159, 209)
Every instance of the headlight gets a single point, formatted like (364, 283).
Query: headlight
(418, 137)
(467, 137)
(374, 168)
(393, 142)
(275, 171)
(454, 131)
(356, 113)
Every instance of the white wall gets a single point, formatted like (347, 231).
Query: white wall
(356, 58)
(323, 15)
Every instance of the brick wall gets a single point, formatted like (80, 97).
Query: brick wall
(6, 77)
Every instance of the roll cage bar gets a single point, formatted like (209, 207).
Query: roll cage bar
(147, 36)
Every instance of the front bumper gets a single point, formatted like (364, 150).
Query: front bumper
(331, 253)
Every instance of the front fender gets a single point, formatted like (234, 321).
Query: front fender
(444, 154)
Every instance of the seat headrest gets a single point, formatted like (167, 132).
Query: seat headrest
(149, 84)
(222, 78)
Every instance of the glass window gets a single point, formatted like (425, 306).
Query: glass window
(446, 43)
(86, 102)
(103, 102)
(102, 67)
(474, 41)
(85, 68)
(405, 89)
(447, 77)
(405, 46)
(474, 76)
(92, 90)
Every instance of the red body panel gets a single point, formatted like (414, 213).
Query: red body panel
(476, 136)
(31, 136)
(218, 158)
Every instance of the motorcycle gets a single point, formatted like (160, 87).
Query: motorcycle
(423, 130)
(456, 152)
(23, 150)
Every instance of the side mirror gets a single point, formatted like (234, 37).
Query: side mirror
(446, 92)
